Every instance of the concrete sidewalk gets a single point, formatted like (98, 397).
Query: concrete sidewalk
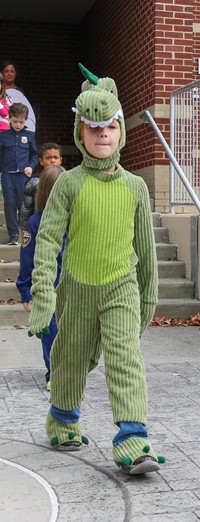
(38, 483)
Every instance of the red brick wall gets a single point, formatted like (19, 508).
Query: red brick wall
(114, 45)
(196, 43)
(115, 41)
(147, 46)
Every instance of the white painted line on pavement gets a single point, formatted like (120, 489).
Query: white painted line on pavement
(43, 482)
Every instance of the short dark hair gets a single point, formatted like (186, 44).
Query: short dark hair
(47, 146)
(18, 109)
(48, 177)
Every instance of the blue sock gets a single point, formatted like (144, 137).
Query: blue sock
(65, 416)
(129, 430)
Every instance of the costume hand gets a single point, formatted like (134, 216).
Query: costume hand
(26, 306)
(39, 334)
(28, 171)
(146, 312)
(42, 310)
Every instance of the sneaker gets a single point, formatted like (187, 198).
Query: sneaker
(48, 385)
(13, 241)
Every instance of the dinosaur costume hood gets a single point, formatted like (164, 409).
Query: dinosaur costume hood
(98, 106)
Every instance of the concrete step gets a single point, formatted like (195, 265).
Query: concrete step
(179, 308)
(156, 219)
(171, 269)
(161, 234)
(3, 235)
(166, 251)
(9, 270)
(10, 252)
(152, 204)
(9, 291)
(2, 218)
(175, 288)
(13, 314)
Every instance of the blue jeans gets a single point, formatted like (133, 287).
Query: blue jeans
(129, 430)
(47, 341)
(13, 193)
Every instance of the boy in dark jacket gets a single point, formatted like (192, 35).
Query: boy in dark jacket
(18, 158)
(50, 154)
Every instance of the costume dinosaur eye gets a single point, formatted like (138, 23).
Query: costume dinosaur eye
(87, 110)
(95, 110)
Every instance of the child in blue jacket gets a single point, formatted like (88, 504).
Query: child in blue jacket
(47, 179)
(18, 158)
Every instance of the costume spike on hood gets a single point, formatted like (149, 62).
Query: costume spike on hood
(88, 75)
(92, 82)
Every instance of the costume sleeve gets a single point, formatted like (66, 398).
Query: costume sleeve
(28, 205)
(144, 244)
(27, 250)
(48, 245)
(4, 108)
(33, 155)
(59, 261)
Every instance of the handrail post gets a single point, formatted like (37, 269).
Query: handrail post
(172, 177)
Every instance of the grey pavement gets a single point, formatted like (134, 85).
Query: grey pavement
(38, 483)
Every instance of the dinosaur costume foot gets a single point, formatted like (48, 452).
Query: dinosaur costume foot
(140, 466)
(65, 437)
(135, 456)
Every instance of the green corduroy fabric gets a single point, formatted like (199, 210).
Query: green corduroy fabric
(98, 105)
(105, 84)
(108, 322)
(63, 205)
(105, 317)
(59, 433)
(133, 448)
(112, 209)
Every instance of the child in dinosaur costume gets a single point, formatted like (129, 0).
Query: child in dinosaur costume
(108, 286)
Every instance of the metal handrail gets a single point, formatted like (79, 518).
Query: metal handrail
(186, 88)
(184, 141)
(147, 117)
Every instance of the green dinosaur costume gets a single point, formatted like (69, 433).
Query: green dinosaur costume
(108, 287)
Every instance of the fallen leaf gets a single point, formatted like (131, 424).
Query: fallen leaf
(9, 301)
(193, 320)
(7, 281)
(18, 327)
